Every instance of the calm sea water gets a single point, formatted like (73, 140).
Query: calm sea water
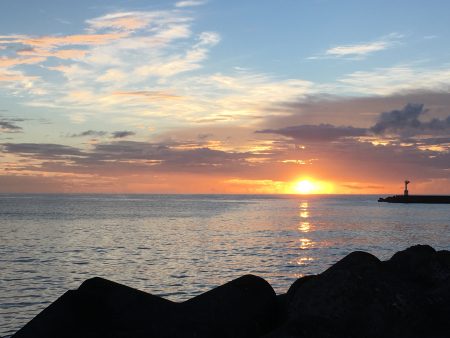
(178, 246)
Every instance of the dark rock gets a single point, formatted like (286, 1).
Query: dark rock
(281, 308)
(443, 257)
(360, 296)
(244, 307)
(349, 296)
(355, 261)
(415, 262)
(310, 327)
(421, 264)
(407, 296)
(101, 308)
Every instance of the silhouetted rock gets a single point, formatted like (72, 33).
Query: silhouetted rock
(244, 307)
(101, 308)
(420, 263)
(359, 296)
(349, 296)
(407, 296)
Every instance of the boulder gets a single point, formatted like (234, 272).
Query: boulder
(360, 296)
(102, 308)
(244, 307)
(421, 264)
(407, 296)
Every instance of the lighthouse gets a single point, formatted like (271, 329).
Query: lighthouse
(405, 192)
(405, 198)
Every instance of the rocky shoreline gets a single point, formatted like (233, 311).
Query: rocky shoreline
(359, 296)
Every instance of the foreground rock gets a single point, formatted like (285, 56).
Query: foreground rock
(244, 307)
(359, 296)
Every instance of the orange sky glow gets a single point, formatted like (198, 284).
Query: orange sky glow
(173, 98)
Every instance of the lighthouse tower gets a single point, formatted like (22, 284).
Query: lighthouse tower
(405, 193)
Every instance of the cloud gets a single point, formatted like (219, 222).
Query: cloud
(8, 126)
(122, 134)
(204, 136)
(208, 39)
(394, 80)
(351, 160)
(138, 20)
(114, 33)
(180, 63)
(412, 125)
(406, 121)
(361, 50)
(120, 21)
(12, 62)
(94, 133)
(42, 150)
(122, 157)
(129, 61)
(149, 95)
(49, 42)
(363, 110)
(41, 54)
(316, 133)
(190, 3)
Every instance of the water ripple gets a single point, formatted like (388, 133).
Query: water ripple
(180, 246)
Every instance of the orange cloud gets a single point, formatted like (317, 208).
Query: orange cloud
(79, 39)
(11, 62)
(16, 76)
(61, 54)
(38, 49)
(123, 21)
(148, 95)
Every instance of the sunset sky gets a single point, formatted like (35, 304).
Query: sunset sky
(317, 96)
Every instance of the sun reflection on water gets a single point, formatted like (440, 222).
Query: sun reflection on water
(304, 260)
(304, 225)
(305, 228)
(305, 243)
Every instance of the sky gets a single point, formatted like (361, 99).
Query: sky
(209, 96)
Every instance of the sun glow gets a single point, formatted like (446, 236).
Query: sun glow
(308, 186)
(305, 187)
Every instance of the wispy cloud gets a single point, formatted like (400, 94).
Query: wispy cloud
(102, 68)
(49, 42)
(9, 126)
(47, 151)
(147, 95)
(401, 78)
(12, 62)
(190, 3)
(123, 134)
(317, 133)
(357, 50)
(133, 21)
(94, 133)
(360, 50)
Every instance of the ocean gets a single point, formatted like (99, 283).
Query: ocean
(178, 246)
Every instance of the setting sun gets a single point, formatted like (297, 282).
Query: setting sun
(310, 186)
(305, 187)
